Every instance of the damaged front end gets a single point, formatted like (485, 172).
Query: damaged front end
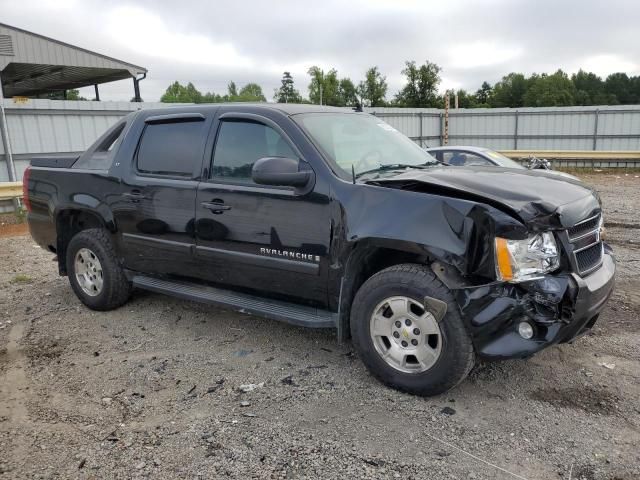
(517, 316)
(554, 309)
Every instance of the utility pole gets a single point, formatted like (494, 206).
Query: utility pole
(320, 94)
(446, 118)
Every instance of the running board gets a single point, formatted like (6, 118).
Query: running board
(292, 313)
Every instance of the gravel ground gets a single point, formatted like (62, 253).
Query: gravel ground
(154, 390)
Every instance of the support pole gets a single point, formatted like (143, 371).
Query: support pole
(515, 133)
(421, 114)
(446, 118)
(136, 87)
(136, 91)
(97, 92)
(4, 137)
(595, 129)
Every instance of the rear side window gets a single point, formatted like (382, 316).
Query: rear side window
(240, 144)
(173, 149)
(100, 155)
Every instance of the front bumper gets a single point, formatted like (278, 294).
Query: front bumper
(559, 307)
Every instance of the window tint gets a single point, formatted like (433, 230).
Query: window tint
(171, 148)
(100, 157)
(458, 159)
(475, 159)
(240, 144)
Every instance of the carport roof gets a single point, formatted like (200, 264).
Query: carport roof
(32, 64)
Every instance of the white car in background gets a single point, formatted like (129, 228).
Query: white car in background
(459, 156)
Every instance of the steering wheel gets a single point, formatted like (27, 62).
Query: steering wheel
(368, 161)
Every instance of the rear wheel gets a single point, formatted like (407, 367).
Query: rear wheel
(96, 276)
(401, 341)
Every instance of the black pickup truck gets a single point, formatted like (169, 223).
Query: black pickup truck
(323, 217)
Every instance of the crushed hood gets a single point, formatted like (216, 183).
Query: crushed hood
(540, 199)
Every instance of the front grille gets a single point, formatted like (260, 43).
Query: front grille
(583, 227)
(587, 249)
(589, 258)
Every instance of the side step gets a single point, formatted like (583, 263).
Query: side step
(300, 315)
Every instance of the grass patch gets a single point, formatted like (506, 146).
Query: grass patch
(21, 278)
(21, 215)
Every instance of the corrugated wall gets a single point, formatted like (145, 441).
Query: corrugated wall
(603, 128)
(46, 127)
(60, 127)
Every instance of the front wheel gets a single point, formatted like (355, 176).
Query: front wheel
(401, 341)
(96, 276)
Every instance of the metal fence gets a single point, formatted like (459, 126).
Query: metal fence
(56, 127)
(51, 127)
(605, 128)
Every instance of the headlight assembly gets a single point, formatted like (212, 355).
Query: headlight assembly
(521, 260)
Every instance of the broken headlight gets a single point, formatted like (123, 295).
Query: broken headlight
(520, 260)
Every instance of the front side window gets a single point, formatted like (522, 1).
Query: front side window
(173, 149)
(240, 144)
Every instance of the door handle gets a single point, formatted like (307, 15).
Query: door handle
(216, 206)
(135, 195)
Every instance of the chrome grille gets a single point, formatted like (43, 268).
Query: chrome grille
(587, 246)
(586, 226)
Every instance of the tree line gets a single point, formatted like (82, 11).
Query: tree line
(421, 90)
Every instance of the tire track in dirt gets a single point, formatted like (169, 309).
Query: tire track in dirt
(13, 393)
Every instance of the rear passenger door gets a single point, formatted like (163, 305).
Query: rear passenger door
(269, 239)
(157, 206)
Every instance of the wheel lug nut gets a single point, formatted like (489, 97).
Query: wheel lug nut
(396, 334)
(414, 342)
(404, 344)
(416, 331)
(398, 324)
(407, 322)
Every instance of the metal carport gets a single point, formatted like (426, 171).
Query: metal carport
(32, 65)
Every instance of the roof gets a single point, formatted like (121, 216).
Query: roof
(458, 148)
(286, 108)
(31, 64)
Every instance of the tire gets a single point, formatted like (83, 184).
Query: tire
(442, 358)
(114, 289)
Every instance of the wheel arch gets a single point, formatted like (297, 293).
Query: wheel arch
(368, 257)
(72, 220)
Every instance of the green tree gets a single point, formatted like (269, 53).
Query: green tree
(484, 94)
(232, 90)
(251, 92)
(589, 88)
(316, 84)
(466, 99)
(421, 89)
(552, 90)
(178, 93)
(373, 89)
(323, 89)
(510, 91)
(347, 93)
(287, 93)
(74, 95)
(622, 86)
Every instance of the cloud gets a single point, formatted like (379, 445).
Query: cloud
(211, 43)
(482, 53)
(147, 34)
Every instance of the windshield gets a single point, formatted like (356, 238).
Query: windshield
(362, 141)
(501, 160)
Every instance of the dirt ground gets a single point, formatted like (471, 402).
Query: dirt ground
(153, 390)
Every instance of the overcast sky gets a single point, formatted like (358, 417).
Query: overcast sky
(212, 42)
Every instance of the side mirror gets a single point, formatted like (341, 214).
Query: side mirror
(281, 172)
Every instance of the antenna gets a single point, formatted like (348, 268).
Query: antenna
(353, 174)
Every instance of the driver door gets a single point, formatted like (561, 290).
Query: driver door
(263, 238)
